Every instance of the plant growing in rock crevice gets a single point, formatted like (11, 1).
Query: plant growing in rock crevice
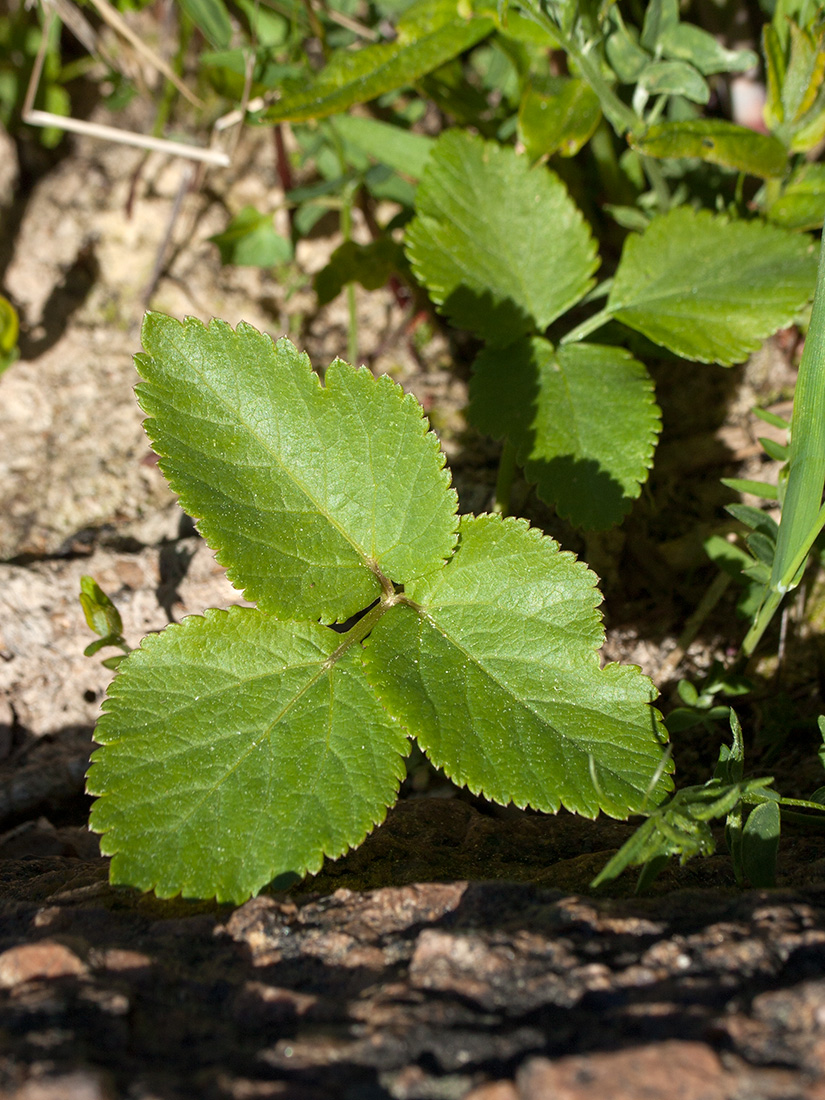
(242, 747)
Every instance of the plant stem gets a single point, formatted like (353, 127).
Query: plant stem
(357, 633)
(621, 117)
(588, 326)
(654, 173)
(789, 580)
(352, 328)
(504, 481)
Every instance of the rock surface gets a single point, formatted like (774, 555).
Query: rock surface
(483, 991)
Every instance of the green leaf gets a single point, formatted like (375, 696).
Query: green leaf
(430, 33)
(716, 141)
(674, 78)
(236, 750)
(626, 57)
(709, 289)
(757, 488)
(368, 264)
(401, 150)
(101, 614)
(660, 17)
(311, 495)
(701, 49)
(250, 240)
(494, 671)
(562, 122)
(9, 327)
(212, 18)
(9, 331)
(679, 827)
(582, 418)
(500, 246)
(760, 844)
(802, 202)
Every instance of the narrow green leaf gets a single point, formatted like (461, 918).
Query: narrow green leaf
(235, 750)
(760, 844)
(250, 240)
(716, 141)
(582, 419)
(772, 418)
(777, 451)
(562, 122)
(494, 670)
(430, 33)
(212, 18)
(774, 111)
(762, 547)
(710, 289)
(308, 493)
(401, 150)
(754, 518)
(500, 246)
(757, 488)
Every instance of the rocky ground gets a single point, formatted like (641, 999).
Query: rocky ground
(458, 952)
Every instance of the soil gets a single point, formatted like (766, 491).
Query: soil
(459, 953)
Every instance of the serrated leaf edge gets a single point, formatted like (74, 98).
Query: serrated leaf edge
(312, 866)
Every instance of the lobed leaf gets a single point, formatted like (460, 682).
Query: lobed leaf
(500, 246)
(582, 418)
(309, 493)
(494, 671)
(235, 750)
(709, 289)
(430, 33)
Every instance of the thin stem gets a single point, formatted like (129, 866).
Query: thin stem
(352, 309)
(618, 114)
(654, 173)
(588, 326)
(504, 481)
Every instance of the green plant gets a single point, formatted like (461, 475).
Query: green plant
(506, 249)
(104, 619)
(244, 746)
(752, 810)
(606, 160)
(9, 331)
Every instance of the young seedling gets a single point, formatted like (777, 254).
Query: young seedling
(246, 745)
